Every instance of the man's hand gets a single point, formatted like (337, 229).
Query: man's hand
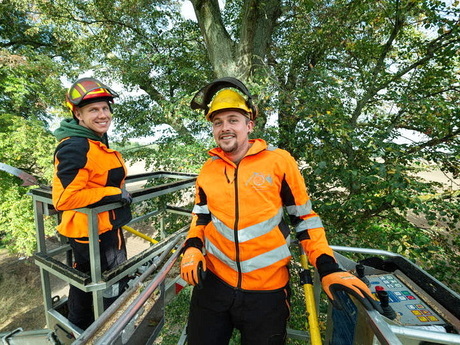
(126, 198)
(344, 281)
(193, 266)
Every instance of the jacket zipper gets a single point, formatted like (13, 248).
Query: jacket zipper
(235, 229)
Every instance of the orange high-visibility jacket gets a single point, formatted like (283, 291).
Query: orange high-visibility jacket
(87, 173)
(238, 215)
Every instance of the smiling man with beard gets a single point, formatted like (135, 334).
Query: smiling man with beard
(238, 235)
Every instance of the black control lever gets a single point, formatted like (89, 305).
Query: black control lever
(388, 311)
(361, 275)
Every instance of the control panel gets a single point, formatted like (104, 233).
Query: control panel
(408, 308)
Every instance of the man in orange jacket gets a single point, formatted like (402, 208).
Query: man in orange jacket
(238, 234)
(88, 173)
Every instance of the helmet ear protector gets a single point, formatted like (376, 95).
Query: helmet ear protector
(204, 96)
(88, 90)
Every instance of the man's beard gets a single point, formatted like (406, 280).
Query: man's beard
(229, 149)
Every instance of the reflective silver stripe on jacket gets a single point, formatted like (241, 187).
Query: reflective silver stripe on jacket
(200, 209)
(244, 235)
(261, 261)
(250, 232)
(303, 210)
(310, 223)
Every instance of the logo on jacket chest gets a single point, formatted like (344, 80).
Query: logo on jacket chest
(259, 181)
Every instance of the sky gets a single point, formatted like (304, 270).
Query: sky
(187, 10)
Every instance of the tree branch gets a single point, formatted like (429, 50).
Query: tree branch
(435, 142)
(379, 66)
(432, 47)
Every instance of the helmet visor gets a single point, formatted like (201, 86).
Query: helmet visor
(204, 96)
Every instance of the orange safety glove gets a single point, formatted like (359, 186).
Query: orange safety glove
(347, 282)
(193, 266)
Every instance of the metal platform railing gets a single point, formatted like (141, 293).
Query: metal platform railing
(50, 263)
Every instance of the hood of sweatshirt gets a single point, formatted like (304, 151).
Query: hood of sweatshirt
(70, 128)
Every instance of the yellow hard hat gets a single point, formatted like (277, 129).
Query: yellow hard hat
(228, 99)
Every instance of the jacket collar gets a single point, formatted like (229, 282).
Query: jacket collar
(257, 145)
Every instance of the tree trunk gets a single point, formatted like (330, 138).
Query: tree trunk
(228, 56)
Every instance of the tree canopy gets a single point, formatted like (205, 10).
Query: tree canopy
(364, 94)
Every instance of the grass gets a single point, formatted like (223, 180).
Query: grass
(22, 299)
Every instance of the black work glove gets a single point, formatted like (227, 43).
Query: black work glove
(126, 198)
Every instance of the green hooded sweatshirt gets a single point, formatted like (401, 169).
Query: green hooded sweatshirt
(71, 128)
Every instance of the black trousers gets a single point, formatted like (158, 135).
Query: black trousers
(113, 252)
(216, 309)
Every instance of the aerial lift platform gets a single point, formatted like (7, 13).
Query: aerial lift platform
(418, 309)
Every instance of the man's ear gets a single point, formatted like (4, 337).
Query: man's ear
(250, 126)
(77, 114)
